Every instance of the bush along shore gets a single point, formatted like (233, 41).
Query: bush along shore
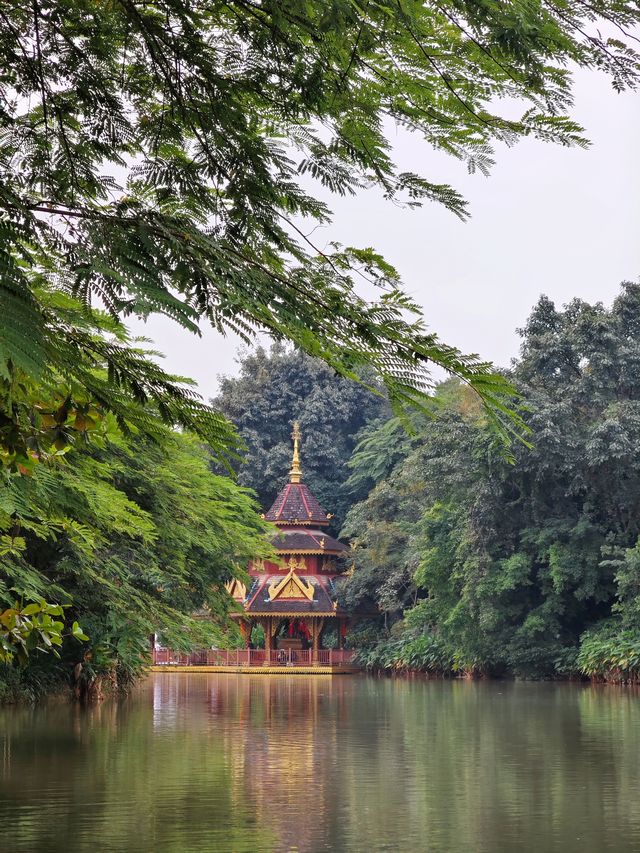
(612, 659)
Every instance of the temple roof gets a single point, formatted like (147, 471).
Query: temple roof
(296, 505)
(271, 596)
(309, 541)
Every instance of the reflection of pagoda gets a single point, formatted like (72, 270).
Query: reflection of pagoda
(295, 602)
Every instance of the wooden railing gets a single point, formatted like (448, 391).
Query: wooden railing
(254, 657)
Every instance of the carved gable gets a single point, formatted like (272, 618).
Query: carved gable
(291, 586)
(236, 589)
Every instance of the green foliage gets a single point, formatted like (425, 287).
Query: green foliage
(29, 628)
(21, 684)
(152, 157)
(257, 637)
(510, 565)
(385, 528)
(423, 652)
(210, 116)
(278, 387)
(380, 447)
(134, 537)
(94, 368)
(610, 654)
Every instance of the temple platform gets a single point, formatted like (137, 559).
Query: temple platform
(256, 661)
(261, 670)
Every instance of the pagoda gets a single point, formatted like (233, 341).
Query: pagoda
(294, 599)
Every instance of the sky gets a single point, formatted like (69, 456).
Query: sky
(560, 221)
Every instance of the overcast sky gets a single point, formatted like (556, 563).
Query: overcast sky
(559, 221)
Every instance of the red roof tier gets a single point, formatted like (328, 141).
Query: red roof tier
(296, 505)
(298, 585)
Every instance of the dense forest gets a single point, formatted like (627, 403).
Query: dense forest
(527, 567)
(480, 562)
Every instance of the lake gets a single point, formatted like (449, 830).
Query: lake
(259, 764)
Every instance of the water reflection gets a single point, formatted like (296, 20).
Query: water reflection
(226, 764)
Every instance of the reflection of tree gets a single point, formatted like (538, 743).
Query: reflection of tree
(490, 769)
(148, 775)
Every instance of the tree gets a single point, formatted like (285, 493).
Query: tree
(95, 368)
(276, 388)
(518, 567)
(133, 537)
(96, 401)
(151, 157)
(430, 467)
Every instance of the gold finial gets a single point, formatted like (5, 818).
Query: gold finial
(295, 475)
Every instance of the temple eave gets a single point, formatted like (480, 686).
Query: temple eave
(332, 551)
(288, 614)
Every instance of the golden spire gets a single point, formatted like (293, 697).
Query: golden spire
(295, 475)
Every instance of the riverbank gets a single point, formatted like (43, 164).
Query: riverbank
(15, 692)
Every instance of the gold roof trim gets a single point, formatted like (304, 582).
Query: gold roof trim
(289, 585)
(307, 551)
(291, 614)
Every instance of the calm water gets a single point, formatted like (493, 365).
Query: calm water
(228, 764)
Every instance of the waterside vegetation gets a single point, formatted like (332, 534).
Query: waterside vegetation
(131, 537)
(531, 569)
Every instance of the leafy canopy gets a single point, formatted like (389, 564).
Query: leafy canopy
(93, 369)
(154, 158)
(530, 568)
(131, 537)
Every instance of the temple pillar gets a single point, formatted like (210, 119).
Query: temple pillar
(315, 629)
(268, 633)
(245, 631)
